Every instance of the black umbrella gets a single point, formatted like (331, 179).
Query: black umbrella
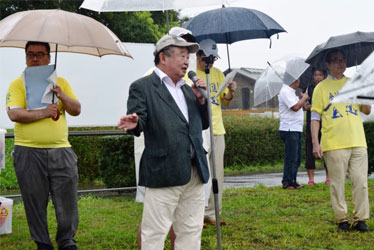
(356, 46)
(231, 24)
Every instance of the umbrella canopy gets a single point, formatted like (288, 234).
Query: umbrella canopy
(360, 88)
(356, 46)
(306, 79)
(145, 5)
(72, 32)
(284, 71)
(232, 24)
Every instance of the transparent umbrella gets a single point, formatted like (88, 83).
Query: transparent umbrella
(284, 71)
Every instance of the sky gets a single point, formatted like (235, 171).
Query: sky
(102, 84)
(308, 23)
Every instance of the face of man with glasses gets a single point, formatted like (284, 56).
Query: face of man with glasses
(37, 55)
(337, 64)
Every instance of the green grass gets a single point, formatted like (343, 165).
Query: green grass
(258, 218)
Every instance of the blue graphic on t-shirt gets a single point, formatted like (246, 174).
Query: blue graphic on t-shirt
(336, 114)
(214, 101)
(331, 96)
(214, 87)
(351, 110)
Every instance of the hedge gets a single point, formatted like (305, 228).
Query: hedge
(116, 161)
(249, 141)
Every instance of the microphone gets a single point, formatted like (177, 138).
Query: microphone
(192, 76)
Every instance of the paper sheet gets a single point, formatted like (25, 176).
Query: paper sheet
(38, 83)
(229, 78)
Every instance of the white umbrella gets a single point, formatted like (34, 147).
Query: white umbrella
(146, 5)
(283, 71)
(360, 88)
(70, 31)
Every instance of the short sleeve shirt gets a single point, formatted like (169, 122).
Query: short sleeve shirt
(45, 133)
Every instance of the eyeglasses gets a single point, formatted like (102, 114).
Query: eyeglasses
(338, 60)
(39, 55)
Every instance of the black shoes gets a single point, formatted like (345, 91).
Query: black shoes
(42, 246)
(71, 247)
(343, 226)
(361, 227)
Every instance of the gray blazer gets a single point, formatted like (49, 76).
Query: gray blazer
(166, 160)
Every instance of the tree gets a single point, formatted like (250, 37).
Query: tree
(144, 27)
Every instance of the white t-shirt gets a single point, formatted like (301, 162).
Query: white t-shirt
(289, 119)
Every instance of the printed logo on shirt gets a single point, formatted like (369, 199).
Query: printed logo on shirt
(336, 114)
(331, 96)
(214, 90)
(349, 110)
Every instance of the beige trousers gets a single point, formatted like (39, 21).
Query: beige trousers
(180, 206)
(353, 161)
(219, 151)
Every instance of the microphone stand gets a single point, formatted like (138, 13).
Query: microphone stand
(209, 60)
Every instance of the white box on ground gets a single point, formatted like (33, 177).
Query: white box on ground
(5, 215)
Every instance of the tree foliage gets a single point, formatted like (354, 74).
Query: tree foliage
(145, 27)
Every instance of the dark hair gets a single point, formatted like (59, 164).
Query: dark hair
(189, 38)
(200, 53)
(314, 69)
(332, 51)
(46, 45)
(168, 50)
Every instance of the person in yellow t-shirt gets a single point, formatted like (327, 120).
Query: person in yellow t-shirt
(209, 48)
(343, 144)
(43, 159)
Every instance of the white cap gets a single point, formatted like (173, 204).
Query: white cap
(179, 31)
(209, 47)
(167, 40)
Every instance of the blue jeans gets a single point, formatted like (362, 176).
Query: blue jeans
(292, 155)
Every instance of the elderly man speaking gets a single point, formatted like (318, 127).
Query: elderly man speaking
(173, 167)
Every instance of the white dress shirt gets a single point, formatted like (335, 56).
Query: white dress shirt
(175, 91)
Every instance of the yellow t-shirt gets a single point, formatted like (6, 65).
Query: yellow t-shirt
(216, 78)
(341, 123)
(45, 133)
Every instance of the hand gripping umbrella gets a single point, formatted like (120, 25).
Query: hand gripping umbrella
(231, 24)
(64, 31)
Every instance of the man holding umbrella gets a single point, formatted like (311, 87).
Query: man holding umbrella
(43, 159)
(343, 144)
(208, 48)
(291, 131)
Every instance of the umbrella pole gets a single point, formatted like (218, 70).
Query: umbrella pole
(214, 179)
(228, 56)
(53, 94)
(167, 21)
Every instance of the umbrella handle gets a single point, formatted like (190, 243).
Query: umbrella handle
(55, 118)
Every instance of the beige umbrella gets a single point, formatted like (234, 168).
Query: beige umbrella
(70, 31)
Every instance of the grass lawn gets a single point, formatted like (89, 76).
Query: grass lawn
(258, 218)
